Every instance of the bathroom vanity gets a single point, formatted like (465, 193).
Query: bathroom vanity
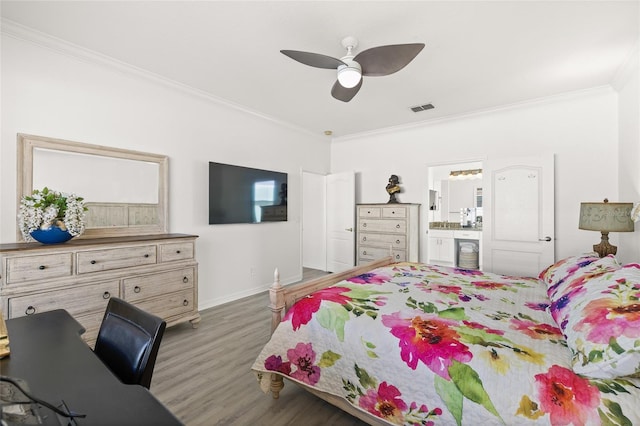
(449, 244)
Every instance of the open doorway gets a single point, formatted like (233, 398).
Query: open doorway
(455, 215)
(328, 221)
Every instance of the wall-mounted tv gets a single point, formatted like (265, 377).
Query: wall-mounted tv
(244, 195)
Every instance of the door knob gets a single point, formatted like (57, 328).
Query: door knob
(349, 229)
(544, 239)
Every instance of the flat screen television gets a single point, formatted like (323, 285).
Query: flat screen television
(245, 195)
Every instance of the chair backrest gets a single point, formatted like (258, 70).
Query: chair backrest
(128, 342)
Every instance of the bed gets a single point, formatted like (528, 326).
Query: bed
(416, 344)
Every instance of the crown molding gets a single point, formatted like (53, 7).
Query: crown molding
(63, 47)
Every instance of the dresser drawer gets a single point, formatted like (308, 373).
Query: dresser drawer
(170, 305)
(145, 286)
(176, 251)
(367, 254)
(383, 240)
(390, 226)
(43, 267)
(369, 212)
(118, 258)
(394, 212)
(76, 300)
(467, 235)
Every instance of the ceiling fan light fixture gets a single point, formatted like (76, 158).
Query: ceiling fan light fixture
(349, 75)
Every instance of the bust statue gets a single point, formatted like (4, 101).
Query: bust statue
(393, 188)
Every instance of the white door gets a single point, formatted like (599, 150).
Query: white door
(518, 215)
(341, 201)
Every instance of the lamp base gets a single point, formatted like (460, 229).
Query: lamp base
(604, 248)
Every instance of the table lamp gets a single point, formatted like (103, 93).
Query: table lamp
(606, 217)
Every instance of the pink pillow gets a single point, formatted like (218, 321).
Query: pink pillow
(598, 311)
(561, 278)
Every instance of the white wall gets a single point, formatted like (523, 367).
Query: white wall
(54, 93)
(629, 129)
(580, 129)
(314, 200)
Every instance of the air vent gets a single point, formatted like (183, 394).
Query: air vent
(422, 107)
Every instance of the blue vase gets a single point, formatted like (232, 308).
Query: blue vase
(52, 235)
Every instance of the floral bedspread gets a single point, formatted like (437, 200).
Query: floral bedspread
(418, 344)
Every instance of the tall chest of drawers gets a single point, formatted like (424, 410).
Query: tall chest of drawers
(388, 227)
(158, 273)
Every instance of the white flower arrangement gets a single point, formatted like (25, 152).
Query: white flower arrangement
(47, 208)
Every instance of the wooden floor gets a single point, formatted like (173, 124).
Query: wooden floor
(203, 375)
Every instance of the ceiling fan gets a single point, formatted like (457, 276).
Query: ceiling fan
(377, 61)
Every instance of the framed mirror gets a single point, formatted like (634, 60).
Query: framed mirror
(126, 192)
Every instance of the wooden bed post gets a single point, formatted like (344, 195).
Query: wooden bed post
(276, 299)
(281, 299)
(277, 305)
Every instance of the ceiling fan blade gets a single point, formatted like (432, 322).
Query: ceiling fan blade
(342, 93)
(313, 59)
(385, 60)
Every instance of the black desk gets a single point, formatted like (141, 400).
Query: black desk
(49, 354)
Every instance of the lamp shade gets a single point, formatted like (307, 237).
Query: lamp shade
(606, 217)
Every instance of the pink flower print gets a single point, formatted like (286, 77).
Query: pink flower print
(428, 338)
(535, 330)
(605, 318)
(567, 397)
(478, 326)
(303, 357)
(302, 311)
(274, 363)
(442, 288)
(384, 402)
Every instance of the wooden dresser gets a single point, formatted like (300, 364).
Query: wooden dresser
(384, 227)
(158, 273)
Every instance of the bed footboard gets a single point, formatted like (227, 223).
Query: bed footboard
(281, 298)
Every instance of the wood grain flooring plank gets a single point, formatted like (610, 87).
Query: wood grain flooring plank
(204, 375)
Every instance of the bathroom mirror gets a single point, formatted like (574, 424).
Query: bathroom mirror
(125, 191)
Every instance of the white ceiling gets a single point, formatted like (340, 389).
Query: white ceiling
(478, 54)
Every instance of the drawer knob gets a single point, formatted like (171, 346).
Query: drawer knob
(185, 279)
(364, 252)
(398, 256)
(93, 262)
(398, 226)
(136, 289)
(364, 238)
(146, 255)
(41, 267)
(30, 310)
(185, 302)
(397, 241)
(106, 295)
(177, 251)
(364, 225)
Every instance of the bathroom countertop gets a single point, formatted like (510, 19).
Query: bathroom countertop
(452, 226)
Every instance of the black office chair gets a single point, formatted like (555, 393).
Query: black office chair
(128, 342)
